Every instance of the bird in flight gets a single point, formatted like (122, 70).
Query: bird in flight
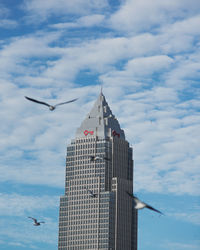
(96, 158)
(140, 204)
(91, 193)
(51, 107)
(36, 223)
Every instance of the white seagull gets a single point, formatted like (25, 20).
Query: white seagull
(96, 158)
(91, 193)
(36, 223)
(51, 107)
(140, 204)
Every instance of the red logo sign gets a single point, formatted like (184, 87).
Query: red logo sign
(114, 133)
(86, 132)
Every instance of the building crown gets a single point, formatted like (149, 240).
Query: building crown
(100, 122)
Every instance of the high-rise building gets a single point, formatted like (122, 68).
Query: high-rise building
(96, 212)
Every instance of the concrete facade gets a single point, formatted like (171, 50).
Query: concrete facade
(95, 212)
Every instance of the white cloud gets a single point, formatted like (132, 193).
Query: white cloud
(44, 65)
(188, 26)
(5, 21)
(161, 128)
(184, 75)
(181, 246)
(4, 11)
(140, 67)
(21, 205)
(8, 24)
(148, 65)
(47, 8)
(191, 216)
(84, 21)
(165, 140)
(150, 80)
(20, 51)
(20, 231)
(142, 15)
(38, 136)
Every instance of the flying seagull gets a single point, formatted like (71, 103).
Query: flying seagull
(91, 193)
(140, 204)
(51, 107)
(96, 158)
(36, 223)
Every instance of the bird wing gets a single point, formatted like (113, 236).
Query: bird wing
(41, 222)
(33, 100)
(152, 208)
(92, 157)
(90, 191)
(98, 158)
(131, 195)
(33, 219)
(73, 100)
(141, 204)
(138, 204)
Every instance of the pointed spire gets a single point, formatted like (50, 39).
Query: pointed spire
(100, 121)
(101, 90)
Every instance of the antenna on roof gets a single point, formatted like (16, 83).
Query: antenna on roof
(101, 89)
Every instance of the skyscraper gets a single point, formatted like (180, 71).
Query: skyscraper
(96, 212)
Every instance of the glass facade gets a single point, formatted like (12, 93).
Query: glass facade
(95, 212)
(84, 220)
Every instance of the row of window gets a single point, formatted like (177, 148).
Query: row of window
(75, 215)
(75, 222)
(84, 247)
(85, 175)
(105, 196)
(82, 188)
(71, 162)
(101, 188)
(72, 167)
(84, 211)
(87, 208)
(89, 145)
(93, 202)
(90, 177)
(74, 200)
(86, 171)
(86, 168)
(90, 243)
(91, 139)
(82, 227)
(79, 232)
(84, 204)
(81, 156)
(80, 237)
(84, 152)
(94, 175)
(79, 200)
(89, 232)
(76, 218)
(103, 238)
(83, 181)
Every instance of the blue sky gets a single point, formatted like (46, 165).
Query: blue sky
(146, 55)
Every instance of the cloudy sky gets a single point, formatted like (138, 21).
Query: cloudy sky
(146, 55)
